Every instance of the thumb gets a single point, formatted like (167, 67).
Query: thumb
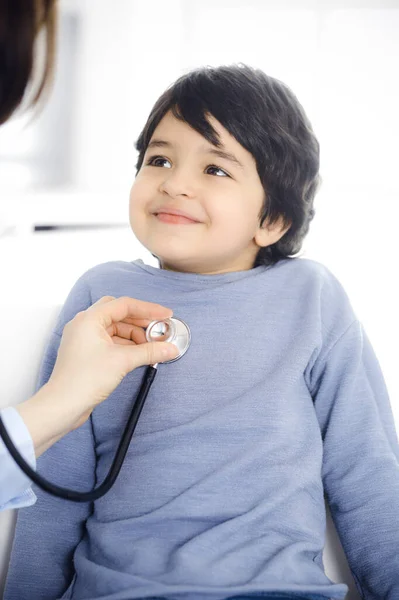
(148, 353)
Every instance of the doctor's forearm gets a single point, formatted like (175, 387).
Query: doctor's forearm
(47, 418)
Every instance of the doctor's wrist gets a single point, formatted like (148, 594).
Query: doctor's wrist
(49, 415)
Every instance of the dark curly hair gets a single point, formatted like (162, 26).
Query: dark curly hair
(266, 118)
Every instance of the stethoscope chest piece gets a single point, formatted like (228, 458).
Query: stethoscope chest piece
(171, 330)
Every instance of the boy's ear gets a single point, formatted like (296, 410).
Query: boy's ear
(269, 234)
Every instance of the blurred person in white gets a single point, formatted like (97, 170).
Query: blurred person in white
(99, 346)
(279, 400)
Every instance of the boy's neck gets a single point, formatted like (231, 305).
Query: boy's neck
(165, 267)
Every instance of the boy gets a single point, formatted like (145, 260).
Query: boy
(279, 398)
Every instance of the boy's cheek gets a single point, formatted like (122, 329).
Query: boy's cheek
(142, 191)
(138, 199)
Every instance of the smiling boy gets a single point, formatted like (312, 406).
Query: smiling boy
(279, 400)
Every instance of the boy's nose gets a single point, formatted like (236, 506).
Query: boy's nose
(178, 185)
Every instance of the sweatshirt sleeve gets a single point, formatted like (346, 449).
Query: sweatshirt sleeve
(47, 534)
(360, 460)
(15, 486)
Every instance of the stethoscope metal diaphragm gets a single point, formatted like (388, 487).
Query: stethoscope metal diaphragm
(171, 330)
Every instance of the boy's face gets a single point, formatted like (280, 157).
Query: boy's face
(222, 196)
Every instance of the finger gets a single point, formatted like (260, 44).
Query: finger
(121, 308)
(149, 353)
(140, 322)
(122, 341)
(129, 332)
(103, 300)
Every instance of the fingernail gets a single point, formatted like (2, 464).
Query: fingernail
(169, 351)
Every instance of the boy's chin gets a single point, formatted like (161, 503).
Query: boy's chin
(171, 264)
(163, 262)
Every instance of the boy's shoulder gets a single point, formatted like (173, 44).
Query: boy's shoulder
(312, 271)
(107, 271)
(112, 266)
(334, 301)
(315, 285)
(97, 281)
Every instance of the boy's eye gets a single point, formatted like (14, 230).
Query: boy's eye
(159, 161)
(212, 168)
(156, 161)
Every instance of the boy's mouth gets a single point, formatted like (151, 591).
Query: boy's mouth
(175, 217)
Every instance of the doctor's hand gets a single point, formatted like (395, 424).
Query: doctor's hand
(99, 347)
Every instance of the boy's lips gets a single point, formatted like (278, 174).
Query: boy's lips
(174, 216)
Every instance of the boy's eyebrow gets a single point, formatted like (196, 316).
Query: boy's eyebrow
(221, 153)
(225, 155)
(158, 144)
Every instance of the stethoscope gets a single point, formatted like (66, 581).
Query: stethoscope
(171, 330)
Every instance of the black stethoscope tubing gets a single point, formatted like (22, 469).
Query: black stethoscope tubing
(171, 330)
(113, 473)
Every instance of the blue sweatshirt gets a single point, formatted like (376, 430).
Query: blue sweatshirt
(279, 400)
